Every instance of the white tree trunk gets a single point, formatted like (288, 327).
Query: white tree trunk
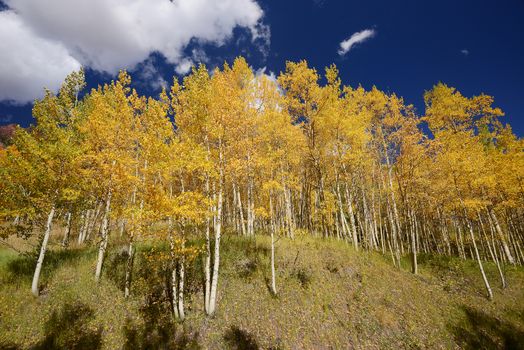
(502, 237)
(218, 230)
(181, 276)
(103, 243)
(83, 220)
(486, 282)
(273, 278)
(241, 213)
(216, 257)
(352, 219)
(207, 258)
(43, 249)
(414, 265)
(273, 275)
(289, 214)
(250, 208)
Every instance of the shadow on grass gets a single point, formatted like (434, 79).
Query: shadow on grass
(68, 329)
(116, 266)
(159, 333)
(158, 329)
(239, 339)
(483, 331)
(250, 247)
(23, 266)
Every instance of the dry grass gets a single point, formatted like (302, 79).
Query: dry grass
(329, 296)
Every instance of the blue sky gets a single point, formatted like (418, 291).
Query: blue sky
(475, 46)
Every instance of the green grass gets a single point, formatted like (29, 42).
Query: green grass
(329, 296)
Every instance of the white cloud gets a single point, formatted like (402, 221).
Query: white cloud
(465, 52)
(184, 66)
(29, 63)
(108, 35)
(199, 55)
(355, 39)
(262, 38)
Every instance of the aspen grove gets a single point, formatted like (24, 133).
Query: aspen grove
(231, 151)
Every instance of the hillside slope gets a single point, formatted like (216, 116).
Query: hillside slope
(329, 297)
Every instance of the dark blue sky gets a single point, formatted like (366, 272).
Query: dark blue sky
(417, 44)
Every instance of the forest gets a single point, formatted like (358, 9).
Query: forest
(229, 154)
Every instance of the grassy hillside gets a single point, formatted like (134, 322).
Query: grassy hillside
(330, 297)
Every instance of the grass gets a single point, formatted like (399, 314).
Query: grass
(329, 296)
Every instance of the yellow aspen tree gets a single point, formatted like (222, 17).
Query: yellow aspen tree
(44, 161)
(110, 155)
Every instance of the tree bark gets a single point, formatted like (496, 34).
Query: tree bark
(481, 267)
(43, 249)
(67, 232)
(273, 277)
(218, 231)
(509, 256)
(352, 219)
(105, 233)
(181, 276)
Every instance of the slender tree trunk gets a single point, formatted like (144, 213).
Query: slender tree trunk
(492, 250)
(174, 291)
(207, 256)
(105, 234)
(83, 230)
(82, 225)
(509, 256)
(481, 267)
(94, 218)
(241, 212)
(67, 232)
(251, 208)
(477, 255)
(343, 220)
(352, 219)
(122, 227)
(289, 214)
(414, 265)
(129, 268)
(43, 249)
(273, 277)
(181, 277)
(218, 231)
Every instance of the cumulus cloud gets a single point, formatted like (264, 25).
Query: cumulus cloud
(28, 62)
(354, 39)
(465, 52)
(107, 35)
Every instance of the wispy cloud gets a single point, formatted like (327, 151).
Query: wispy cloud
(465, 52)
(184, 66)
(355, 39)
(149, 75)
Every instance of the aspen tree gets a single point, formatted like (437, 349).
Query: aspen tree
(109, 158)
